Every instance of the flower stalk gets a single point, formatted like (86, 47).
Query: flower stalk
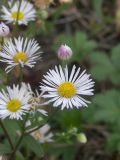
(7, 134)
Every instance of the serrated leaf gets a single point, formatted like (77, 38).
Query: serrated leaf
(107, 106)
(102, 67)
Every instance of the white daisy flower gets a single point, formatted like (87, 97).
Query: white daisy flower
(14, 102)
(26, 12)
(43, 135)
(35, 100)
(66, 90)
(21, 52)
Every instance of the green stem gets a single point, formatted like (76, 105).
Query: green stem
(7, 135)
(35, 129)
(18, 12)
(64, 63)
(2, 41)
(21, 74)
(16, 147)
(19, 141)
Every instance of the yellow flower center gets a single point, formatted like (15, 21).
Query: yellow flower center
(19, 16)
(67, 90)
(14, 105)
(20, 56)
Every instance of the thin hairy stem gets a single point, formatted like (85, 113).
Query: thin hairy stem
(7, 135)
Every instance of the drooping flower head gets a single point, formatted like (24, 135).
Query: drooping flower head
(4, 30)
(26, 12)
(43, 135)
(35, 101)
(14, 102)
(21, 52)
(67, 90)
(64, 52)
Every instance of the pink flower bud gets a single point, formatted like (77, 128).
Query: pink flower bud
(64, 52)
(4, 30)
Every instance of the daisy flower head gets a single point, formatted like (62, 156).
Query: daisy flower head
(20, 51)
(66, 90)
(23, 13)
(14, 102)
(35, 101)
(43, 135)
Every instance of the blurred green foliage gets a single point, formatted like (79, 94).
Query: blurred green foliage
(79, 43)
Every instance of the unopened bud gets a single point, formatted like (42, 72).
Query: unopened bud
(64, 52)
(82, 138)
(4, 30)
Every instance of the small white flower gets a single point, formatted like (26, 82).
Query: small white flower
(4, 30)
(20, 51)
(43, 135)
(26, 13)
(66, 90)
(14, 102)
(64, 52)
(35, 100)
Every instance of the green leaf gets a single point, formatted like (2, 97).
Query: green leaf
(4, 149)
(113, 141)
(64, 151)
(116, 56)
(12, 127)
(73, 120)
(78, 42)
(108, 106)
(102, 67)
(33, 145)
(19, 156)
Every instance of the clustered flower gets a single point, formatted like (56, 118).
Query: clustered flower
(60, 86)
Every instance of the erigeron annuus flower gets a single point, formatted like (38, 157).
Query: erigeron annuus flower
(26, 12)
(67, 90)
(14, 102)
(35, 101)
(43, 135)
(4, 30)
(21, 52)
